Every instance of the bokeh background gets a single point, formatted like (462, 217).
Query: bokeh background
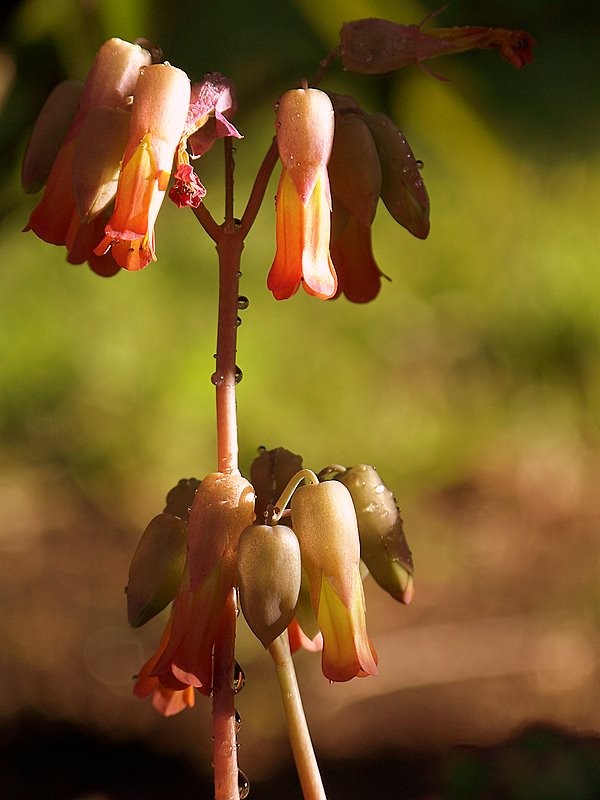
(472, 383)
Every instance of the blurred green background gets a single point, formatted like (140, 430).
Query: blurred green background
(472, 383)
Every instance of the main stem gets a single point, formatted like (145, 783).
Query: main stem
(229, 248)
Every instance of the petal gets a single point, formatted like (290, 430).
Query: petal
(359, 276)
(286, 271)
(347, 651)
(318, 274)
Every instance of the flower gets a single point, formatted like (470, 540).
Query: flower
(158, 116)
(304, 125)
(57, 218)
(222, 508)
(324, 520)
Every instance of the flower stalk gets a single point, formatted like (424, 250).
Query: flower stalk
(299, 735)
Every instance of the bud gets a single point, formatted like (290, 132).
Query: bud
(270, 472)
(402, 189)
(156, 568)
(324, 520)
(354, 167)
(180, 497)
(383, 545)
(268, 578)
(304, 127)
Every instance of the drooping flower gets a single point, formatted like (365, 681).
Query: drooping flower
(324, 520)
(222, 508)
(158, 116)
(355, 175)
(304, 127)
(57, 218)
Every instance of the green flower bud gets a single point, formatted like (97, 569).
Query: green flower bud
(268, 578)
(383, 545)
(156, 568)
(402, 189)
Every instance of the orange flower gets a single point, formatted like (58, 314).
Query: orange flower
(303, 205)
(166, 701)
(324, 520)
(57, 219)
(222, 508)
(158, 116)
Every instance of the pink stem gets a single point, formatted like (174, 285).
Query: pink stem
(225, 741)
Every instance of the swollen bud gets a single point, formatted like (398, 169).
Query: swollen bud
(402, 189)
(383, 545)
(269, 574)
(156, 569)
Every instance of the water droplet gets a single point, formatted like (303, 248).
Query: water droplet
(238, 374)
(261, 448)
(214, 378)
(243, 302)
(237, 721)
(420, 164)
(379, 488)
(238, 322)
(239, 678)
(243, 785)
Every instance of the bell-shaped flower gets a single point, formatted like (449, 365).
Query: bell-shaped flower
(269, 575)
(375, 46)
(383, 545)
(324, 520)
(158, 116)
(222, 508)
(57, 218)
(304, 130)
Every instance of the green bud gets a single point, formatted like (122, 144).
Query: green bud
(402, 189)
(383, 545)
(268, 578)
(156, 568)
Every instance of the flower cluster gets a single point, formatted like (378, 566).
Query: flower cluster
(104, 149)
(297, 569)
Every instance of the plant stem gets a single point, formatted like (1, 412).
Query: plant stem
(225, 741)
(302, 749)
(229, 249)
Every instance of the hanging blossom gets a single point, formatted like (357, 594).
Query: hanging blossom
(304, 130)
(59, 218)
(105, 152)
(222, 507)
